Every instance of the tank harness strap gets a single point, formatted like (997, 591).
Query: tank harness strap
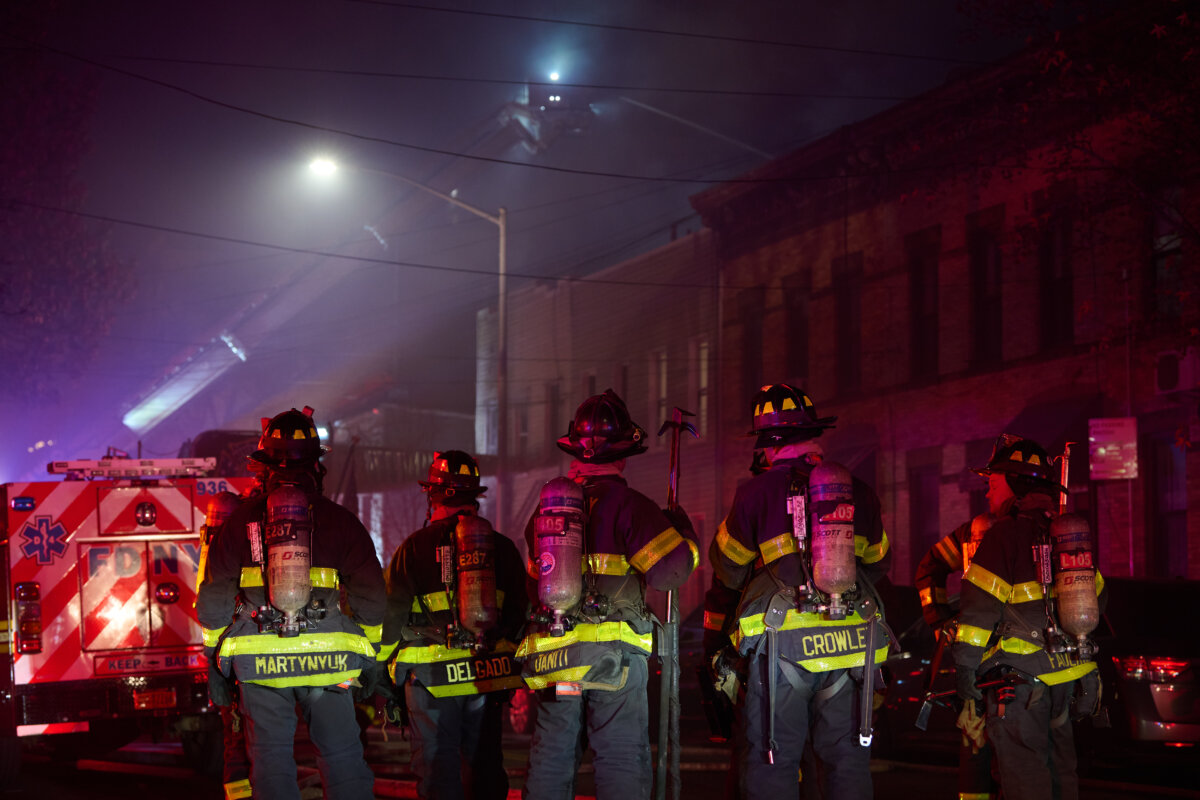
(777, 608)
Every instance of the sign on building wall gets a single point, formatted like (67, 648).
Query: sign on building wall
(1112, 448)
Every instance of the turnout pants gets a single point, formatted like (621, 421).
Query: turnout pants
(269, 716)
(810, 708)
(617, 725)
(456, 745)
(1034, 743)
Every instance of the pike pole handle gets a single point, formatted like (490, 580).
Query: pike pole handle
(668, 707)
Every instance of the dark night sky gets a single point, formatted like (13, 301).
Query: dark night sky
(206, 115)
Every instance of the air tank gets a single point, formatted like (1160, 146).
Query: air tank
(288, 540)
(1074, 575)
(478, 611)
(831, 503)
(220, 506)
(558, 535)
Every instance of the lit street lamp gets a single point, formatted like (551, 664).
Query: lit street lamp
(326, 167)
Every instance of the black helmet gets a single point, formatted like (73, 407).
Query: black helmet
(602, 431)
(1015, 455)
(454, 471)
(785, 414)
(289, 440)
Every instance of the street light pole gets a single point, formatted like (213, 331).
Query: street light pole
(500, 220)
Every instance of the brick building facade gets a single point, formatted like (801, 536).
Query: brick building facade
(1012, 252)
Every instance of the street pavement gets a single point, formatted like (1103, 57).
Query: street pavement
(156, 769)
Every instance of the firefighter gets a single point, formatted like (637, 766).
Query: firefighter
(590, 679)
(952, 554)
(801, 677)
(1005, 624)
(290, 644)
(454, 685)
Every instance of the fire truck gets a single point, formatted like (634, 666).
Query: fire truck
(100, 642)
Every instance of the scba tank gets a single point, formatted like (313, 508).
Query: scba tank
(478, 611)
(831, 504)
(558, 536)
(1074, 575)
(288, 542)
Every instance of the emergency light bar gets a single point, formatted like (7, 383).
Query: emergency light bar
(133, 467)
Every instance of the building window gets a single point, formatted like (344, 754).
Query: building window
(795, 298)
(847, 299)
(750, 310)
(1167, 541)
(1056, 282)
(699, 383)
(553, 402)
(1166, 258)
(924, 518)
(658, 388)
(923, 250)
(976, 487)
(986, 298)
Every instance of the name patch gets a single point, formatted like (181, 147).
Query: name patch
(284, 665)
(487, 667)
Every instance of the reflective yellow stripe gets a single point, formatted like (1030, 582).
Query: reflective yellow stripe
(656, 550)
(933, 594)
(947, 550)
(476, 687)
(434, 601)
(324, 679)
(618, 631)
(374, 633)
(1099, 583)
(320, 577)
(1068, 674)
(969, 634)
(568, 675)
(211, 635)
(989, 582)
(713, 621)
(841, 662)
(780, 546)
(871, 553)
(695, 553)
(1024, 592)
(429, 654)
(270, 645)
(238, 790)
(733, 549)
(606, 564)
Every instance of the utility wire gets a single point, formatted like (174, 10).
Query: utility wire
(713, 37)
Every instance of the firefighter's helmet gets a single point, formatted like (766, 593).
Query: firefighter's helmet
(289, 440)
(602, 431)
(453, 472)
(784, 414)
(1016, 455)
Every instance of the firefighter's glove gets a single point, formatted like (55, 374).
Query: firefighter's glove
(964, 685)
(1086, 701)
(220, 688)
(971, 723)
(369, 681)
(723, 670)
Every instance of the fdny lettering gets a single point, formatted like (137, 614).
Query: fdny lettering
(840, 642)
(479, 669)
(548, 662)
(287, 665)
(125, 561)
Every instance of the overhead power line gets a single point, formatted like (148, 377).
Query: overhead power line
(419, 76)
(712, 37)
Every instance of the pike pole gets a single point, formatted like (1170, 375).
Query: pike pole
(668, 706)
(1064, 476)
